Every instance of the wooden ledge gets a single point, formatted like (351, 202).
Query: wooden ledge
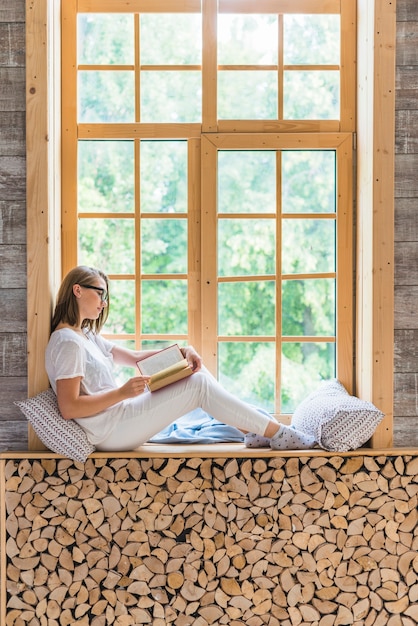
(220, 450)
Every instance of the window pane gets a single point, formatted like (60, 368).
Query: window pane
(312, 95)
(308, 246)
(304, 365)
(105, 176)
(164, 306)
(311, 39)
(247, 39)
(179, 38)
(106, 96)
(247, 95)
(122, 303)
(163, 176)
(248, 370)
(247, 182)
(164, 246)
(247, 308)
(171, 96)
(308, 307)
(105, 39)
(107, 244)
(246, 247)
(121, 372)
(308, 181)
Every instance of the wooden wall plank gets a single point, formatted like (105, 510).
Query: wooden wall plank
(406, 179)
(12, 222)
(12, 11)
(12, 133)
(406, 10)
(406, 430)
(406, 131)
(12, 45)
(406, 263)
(406, 219)
(12, 388)
(406, 354)
(12, 177)
(406, 394)
(13, 266)
(14, 434)
(12, 93)
(13, 354)
(13, 310)
(406, 309)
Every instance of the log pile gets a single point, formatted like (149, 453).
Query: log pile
(277, 541)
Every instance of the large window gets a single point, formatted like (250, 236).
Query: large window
(207, 168)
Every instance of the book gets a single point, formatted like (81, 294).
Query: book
(164, 367)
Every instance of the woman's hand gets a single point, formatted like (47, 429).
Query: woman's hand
(135, 386)
(193, 358)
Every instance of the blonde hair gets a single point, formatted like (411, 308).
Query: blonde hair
(66, 308)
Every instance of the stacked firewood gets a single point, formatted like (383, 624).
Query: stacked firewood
(280, 541)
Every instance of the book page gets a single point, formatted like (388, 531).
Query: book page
(160, 361)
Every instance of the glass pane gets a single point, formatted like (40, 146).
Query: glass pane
(123, 373)
(105, 39)
(163, 176)
(122, 304)
(247, 39)
(312, 95)
(179, 38)
(105, 176)
(311, 39)
(247, 369)
(308, 181)
(247, 308)
(246, 247)
(308, 246)
(304, 365)
(106, 97)
(108, 244)
(308, 307)
(164, 306)
(171, 96)
(246, 182)
(247, 95)
(164, 246)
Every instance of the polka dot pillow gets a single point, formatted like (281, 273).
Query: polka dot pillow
(62, 436)
(339, 422)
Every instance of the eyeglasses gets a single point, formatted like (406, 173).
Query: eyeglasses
(104, 296)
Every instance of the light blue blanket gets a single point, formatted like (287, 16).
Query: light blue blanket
(199, 427)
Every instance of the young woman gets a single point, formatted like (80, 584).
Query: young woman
(80, 362)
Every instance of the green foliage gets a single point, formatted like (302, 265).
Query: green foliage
(247, 184)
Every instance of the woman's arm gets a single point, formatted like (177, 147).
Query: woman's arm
(124, 356)
(73, 405)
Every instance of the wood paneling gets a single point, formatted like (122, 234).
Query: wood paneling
(12, 222)
(13, 318)
(13, 355)
(406, 219)
(406, 226)
(406, 307)
(12, 133)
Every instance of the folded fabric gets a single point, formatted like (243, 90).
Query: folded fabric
(198, 427)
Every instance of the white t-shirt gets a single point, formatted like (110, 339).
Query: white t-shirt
(69, 355)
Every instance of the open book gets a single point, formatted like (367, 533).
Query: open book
(165, 367)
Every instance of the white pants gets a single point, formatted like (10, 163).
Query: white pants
(148, 414)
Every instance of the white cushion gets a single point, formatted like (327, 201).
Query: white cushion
(62, 436)
(339, 422)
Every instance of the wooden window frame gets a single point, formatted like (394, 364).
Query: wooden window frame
(374, 315)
